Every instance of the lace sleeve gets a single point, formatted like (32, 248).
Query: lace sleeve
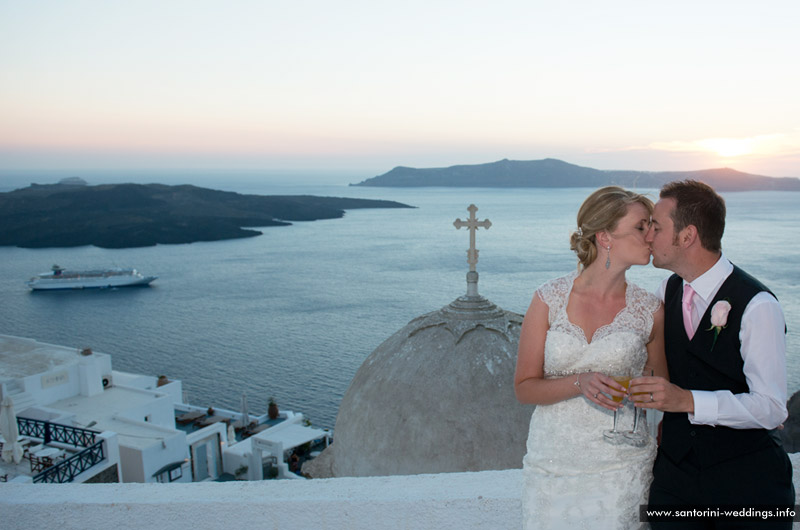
(554, 293)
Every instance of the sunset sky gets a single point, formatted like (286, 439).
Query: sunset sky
(370, 85)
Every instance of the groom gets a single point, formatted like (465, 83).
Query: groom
(725, 347)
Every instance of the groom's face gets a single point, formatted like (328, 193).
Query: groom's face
(661, 236)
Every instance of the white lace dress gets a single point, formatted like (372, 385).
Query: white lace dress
(573, 478)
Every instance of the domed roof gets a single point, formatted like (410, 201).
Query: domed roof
(437, 396)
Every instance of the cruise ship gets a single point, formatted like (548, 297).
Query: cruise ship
(60, 278)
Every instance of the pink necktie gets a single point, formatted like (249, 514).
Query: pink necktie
(688, 294)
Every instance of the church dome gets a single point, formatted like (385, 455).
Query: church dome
(435, 397)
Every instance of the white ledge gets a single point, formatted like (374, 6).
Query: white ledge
(489, 499)
(457, 501)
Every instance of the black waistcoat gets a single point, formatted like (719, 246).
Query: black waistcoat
(702, 364)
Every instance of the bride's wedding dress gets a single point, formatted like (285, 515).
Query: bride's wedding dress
(573, 477)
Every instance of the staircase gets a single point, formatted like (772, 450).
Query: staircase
(22, 400)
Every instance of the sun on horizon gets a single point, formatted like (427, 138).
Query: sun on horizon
(728, 147)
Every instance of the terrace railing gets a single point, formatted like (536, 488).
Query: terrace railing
(55, 432)
(65, 470)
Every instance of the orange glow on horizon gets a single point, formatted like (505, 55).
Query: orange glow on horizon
(729, 147)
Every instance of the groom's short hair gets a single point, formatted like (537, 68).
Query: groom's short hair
(696, 203)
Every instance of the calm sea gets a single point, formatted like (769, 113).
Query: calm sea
(293, 313)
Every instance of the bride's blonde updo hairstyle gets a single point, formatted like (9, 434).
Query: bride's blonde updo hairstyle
(601, 211)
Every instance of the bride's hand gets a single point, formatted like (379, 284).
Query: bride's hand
(594, 386)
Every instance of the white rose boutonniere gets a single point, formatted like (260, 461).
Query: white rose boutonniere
(719, 318)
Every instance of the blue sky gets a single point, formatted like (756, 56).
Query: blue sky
(370, 85)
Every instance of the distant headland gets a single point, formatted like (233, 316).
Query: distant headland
(552, 173)
(71, 214)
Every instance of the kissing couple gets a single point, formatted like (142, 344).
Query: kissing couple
(708, 350)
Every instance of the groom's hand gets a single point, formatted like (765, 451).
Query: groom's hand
(658, 393)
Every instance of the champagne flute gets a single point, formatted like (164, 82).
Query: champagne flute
(614, 436)
(634, 437)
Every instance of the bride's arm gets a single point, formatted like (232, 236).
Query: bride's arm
(530, 385)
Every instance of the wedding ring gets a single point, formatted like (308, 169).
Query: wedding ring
(595, 396)
(651, 397)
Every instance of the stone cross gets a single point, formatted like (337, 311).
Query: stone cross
(472, 225)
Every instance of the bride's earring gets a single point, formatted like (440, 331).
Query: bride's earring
(608, 257)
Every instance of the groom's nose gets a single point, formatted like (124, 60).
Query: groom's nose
(648, 236)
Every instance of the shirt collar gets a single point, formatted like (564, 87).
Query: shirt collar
(708, 283)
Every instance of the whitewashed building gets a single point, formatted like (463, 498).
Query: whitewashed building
(57, 387)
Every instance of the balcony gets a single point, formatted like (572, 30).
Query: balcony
(55, 453)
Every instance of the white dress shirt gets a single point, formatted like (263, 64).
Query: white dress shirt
(763, 350)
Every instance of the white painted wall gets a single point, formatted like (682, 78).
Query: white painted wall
(157, 409)
(91, 376)
(82, 376)
(140, 461)
(172, 448)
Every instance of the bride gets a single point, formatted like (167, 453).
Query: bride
(579, 330)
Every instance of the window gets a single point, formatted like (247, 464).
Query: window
(170, 472)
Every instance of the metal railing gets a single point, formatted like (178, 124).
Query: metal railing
(55, 432)
(66, 470)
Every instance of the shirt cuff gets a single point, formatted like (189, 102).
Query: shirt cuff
(705, 408)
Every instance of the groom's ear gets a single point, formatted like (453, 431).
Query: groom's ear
(688, 236)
